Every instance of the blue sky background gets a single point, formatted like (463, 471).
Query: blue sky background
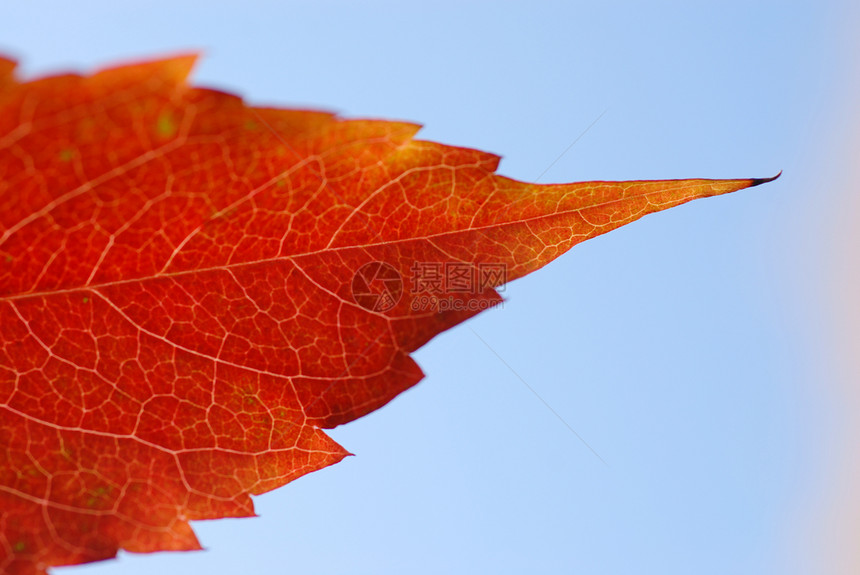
(693, 350)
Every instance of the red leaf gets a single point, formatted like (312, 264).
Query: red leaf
(191, 288)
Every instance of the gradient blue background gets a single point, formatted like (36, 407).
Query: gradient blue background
(688, 349)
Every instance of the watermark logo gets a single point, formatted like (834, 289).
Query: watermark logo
(433, 286)
(377, 286)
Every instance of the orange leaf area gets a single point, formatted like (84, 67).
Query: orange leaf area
(192, 288)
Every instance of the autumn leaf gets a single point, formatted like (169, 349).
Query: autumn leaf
(191, 289)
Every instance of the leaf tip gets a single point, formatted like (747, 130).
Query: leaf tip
(760, 181)
(7, 69)
(175, 68)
